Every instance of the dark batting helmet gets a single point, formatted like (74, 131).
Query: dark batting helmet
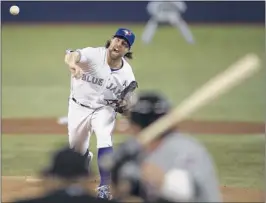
(148, 107)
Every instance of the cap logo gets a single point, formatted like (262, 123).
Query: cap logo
(127, 32)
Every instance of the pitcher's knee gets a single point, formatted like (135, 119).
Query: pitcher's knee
(78, 141)
(72, 138)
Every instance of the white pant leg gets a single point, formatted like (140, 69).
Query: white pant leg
(79, 126)
(103, 123)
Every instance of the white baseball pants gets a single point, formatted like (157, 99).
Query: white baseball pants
(82, 122)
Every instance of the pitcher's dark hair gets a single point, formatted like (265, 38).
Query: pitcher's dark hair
(128, 55)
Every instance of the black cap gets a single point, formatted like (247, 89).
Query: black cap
(148, 107)
(67, 163)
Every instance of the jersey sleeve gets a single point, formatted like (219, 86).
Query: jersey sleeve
(199, 166)
(130, 76)
(177, 186)
(86, 54)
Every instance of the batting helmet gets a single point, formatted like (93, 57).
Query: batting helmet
(148, 107)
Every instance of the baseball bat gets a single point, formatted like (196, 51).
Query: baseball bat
(211, 90)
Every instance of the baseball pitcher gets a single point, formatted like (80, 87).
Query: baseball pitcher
(99, 76)
(174, 168)
(166, 12)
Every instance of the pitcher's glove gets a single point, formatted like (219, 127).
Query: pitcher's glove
(125, 98)
(122, 107)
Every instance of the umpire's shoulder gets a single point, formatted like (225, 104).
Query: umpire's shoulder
(186, 141)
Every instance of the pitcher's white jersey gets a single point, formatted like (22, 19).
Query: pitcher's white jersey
(120, 79)
(99, 81)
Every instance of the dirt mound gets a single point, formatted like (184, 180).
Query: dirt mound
(52, 126)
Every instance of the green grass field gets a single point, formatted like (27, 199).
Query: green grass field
(35, 83)
(239, 160)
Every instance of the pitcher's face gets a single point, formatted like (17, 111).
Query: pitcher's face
(118, 48)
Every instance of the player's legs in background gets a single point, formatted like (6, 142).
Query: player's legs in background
(79, 128)
(149, 30)
(178, 22)
(103, 123)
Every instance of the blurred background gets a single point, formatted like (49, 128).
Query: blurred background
(33, 45)
(188, 43)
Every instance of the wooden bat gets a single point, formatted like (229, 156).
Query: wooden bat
(214, 88)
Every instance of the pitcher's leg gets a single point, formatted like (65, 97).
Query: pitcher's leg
(103, 122)
(78, 127)
(104, 174)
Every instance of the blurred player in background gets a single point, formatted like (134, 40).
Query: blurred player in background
(66, 180)
(174, 167)
(100, 74)
(166, 12)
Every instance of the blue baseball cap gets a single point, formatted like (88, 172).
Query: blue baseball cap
(126, 34)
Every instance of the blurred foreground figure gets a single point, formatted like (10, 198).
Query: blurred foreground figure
(66, 180)
(174, 167)
(166, 12)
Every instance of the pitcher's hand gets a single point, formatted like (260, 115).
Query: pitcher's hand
(70, 58)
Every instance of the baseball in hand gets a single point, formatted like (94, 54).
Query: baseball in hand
(14, 10)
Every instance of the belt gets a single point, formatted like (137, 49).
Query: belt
(80, 103)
